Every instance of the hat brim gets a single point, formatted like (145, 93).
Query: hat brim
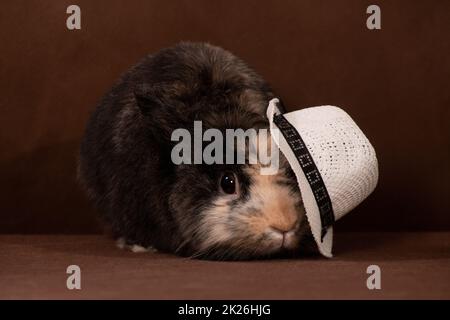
(324, 244)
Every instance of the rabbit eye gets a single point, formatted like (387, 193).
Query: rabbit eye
(228, 182)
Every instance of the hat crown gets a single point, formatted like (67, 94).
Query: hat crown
(344, 156)
(335, 147)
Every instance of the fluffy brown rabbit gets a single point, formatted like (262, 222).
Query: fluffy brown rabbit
(218, 211)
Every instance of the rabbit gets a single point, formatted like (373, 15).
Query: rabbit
(218, 211)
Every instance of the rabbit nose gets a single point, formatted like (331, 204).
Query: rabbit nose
(283, 231)
(284, 226)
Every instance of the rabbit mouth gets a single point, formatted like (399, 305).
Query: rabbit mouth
(286, 240)
(273, 243)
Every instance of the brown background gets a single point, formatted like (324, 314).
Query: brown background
(394, 82)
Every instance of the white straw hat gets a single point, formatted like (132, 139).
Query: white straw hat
(335, 164)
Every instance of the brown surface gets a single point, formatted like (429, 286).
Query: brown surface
(413, 266)
(393, 82)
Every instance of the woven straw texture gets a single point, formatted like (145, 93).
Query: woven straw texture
(343, 155)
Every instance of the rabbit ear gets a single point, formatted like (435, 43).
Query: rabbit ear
(153, 99)
(146, 99)
(143, 102)
(160, 109)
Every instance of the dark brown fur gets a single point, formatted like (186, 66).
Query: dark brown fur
(125, 162)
